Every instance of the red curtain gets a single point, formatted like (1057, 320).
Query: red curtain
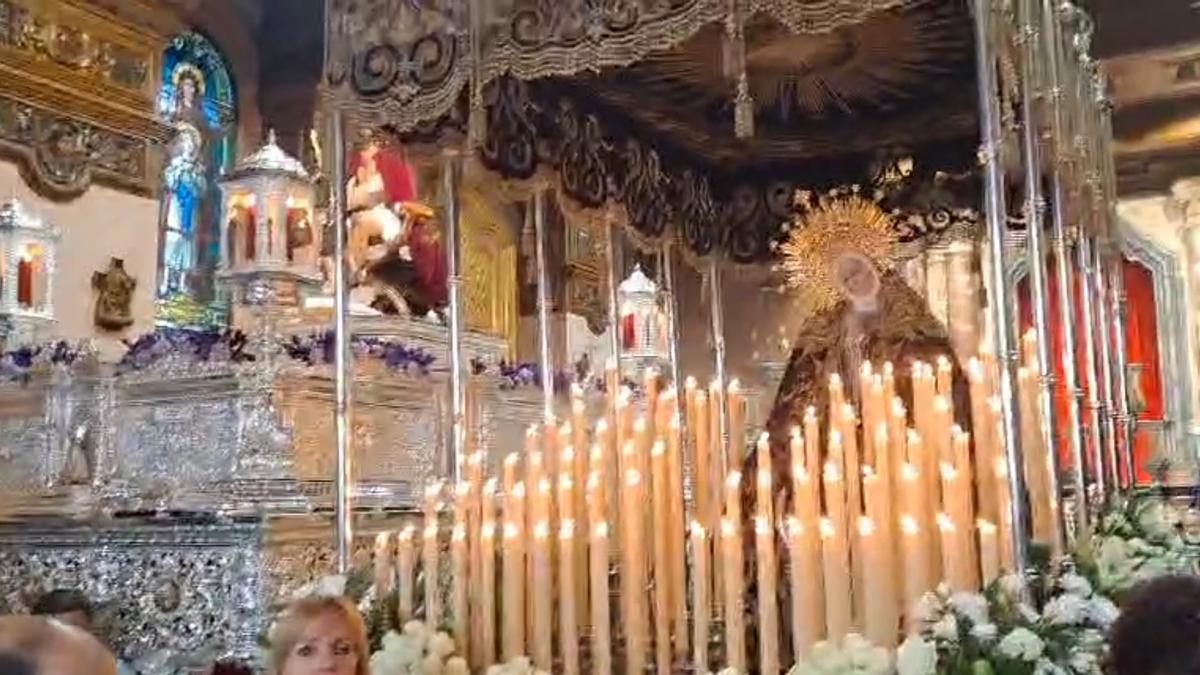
(1141, 339)
(1141, 336)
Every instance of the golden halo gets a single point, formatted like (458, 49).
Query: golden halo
(192, 71)
(839, 223)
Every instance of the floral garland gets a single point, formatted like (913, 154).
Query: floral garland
(999, 632)
(203, 346)
(1136, 539)
(21, 363)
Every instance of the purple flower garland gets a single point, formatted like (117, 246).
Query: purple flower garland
(18, 364)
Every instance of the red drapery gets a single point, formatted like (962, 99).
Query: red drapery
(1141, 338)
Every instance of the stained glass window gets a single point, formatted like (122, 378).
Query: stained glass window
(198, 99)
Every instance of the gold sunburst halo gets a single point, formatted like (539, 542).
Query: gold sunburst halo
(838, 224)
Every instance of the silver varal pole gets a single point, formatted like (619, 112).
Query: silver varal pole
(451, 177)
(343, 376)
(543, 304)
(998, 298)
(612, 231)
(668, 278)
(717, 308)
(1125, 421)
(1035, 232)
(1060, 166)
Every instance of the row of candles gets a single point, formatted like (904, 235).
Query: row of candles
(882, 511)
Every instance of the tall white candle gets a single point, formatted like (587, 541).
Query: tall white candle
(383, 563)
(734, 590)
(487, 592)
(701, 604)
(915, 551)
(766, 567)
(568, 619)
(406, 562)
(430, 565)
(836, 572)
(601, 623)
(989, 552)
(459, 582)
(513, 591)
(541, 598)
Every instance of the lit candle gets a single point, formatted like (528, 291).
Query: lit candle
(734, 590)
(737, 424)
(541, 599)
(598, 568)
(766, 567)
(989, 552)
(487, 592)
(952, 560)
(429, 557)
(406, 562)
(459, 582)
(662, 566)
(513, 598)
(916, 553)
(633, 585)
(984, 450)
(808, 620)
(568, 622)
(716, 404)
(384, 571)
(836, 572)
(879, 616)
(676, 536)
(700, 598)
(705, 476)
(945, 377)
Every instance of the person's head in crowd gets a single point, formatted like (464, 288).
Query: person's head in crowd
(1158, 632)
(66, 605)
(320, 634)
(13, 663)
(51, 647)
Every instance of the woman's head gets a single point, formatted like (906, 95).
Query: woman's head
(320, 635)
(1158, 632)
(856, 278)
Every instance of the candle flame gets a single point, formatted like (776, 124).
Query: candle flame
(531, 432)
(941, 404)
(544, 486)
(600, 531)
(948, 471)
(381, 539)
(866, 370)
(868, 474)
(541, 530)
(810, 414)
(408, 533)
(835, 440)
(908, 525)
(565, 484)
(832, 473)
(593, 481)
(795, 528)
(888, 369)
(975, 369)
(518, 490)
(943, 363)
(733, 480)
(898, 408)
(835, 381)
(728, 529)
(633, 477)
(597, 454)
(476, 459)
(431, 531)
(909, 472)
(488, 529)
(827, 529)
(511, 460)
(985, 527)
(689, 383)
(762, 525)
(576, 392)
(764, 477)
(602, 426)
(698, 530)
(639, 425)
(462, 490)
(568, 452)
(944, 522)
(735, 386)
(866, 526)
(849, 413)
(433, 490)
(914, 437)
(489, 488)
(511, 531)
(566, 530)
(658, 449)
(459, 533)
(800, 473)
(795, 434)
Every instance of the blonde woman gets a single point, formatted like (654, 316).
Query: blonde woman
(320, 635)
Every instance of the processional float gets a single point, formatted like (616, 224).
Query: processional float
(1042, 107)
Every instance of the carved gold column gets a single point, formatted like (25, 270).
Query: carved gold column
(937, 270)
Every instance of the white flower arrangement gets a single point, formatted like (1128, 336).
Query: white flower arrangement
(853, 656)
(1000, 632)
(1137, 539)
(521, 665)
(418, 650)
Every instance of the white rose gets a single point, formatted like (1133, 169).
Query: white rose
(1012, 585)
(441, 645)
(332, 586)
(1084, 662)
(1075, 584)
(946, 628)
(1021, 644)
(984, 632)
(457, 665)
(1048, 667)
(1102, 612)
(1065, 610)
(916, 657)
(418, 632)
(972, 606)
(432, 665)
(929, 609)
